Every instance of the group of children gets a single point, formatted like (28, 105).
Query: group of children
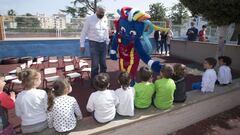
(210, 77)
(39, 109)
(105, 103)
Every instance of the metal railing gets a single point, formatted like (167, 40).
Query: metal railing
(50, 27)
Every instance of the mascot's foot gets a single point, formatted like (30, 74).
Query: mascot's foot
(132, 83)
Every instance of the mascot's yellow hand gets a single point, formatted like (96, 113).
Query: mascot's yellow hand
(165, 30)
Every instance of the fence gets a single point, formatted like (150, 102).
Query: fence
(60, 26)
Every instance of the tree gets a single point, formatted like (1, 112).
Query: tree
(11, 12)
(221, 13)
(157, 12)
(27, 21)
(81, 8)
(179, 13)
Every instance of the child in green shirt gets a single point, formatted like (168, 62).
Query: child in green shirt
(165, 88)
(144, 90)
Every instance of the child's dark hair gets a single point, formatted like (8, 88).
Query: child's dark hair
(179, 70)
(145, 73)
(59, 88)
(167, 71)
(211, 61)
(28, 77)
(101, 81)
(124, 79)
(227, 60)
(204, 26)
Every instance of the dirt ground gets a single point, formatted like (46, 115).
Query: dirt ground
(226, 123)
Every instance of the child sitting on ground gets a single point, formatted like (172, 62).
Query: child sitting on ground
(209, 76)
(31, 103)
(125, 95)
(144, 90)
(165, 88)
(179, 79)
(224, 73)
(6, 103)
(63, 109)
(103, 102)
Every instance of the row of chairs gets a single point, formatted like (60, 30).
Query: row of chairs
(75, 70)
(55, 60)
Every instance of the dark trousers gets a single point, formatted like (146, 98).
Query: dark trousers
(163, 43)
(98, 51)
(157, 45)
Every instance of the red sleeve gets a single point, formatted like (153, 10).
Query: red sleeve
(200, 33)
(6, 101)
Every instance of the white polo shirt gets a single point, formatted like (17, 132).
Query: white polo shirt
(126, 101)
(224, 75)
(95, 29)
(103, 104)
(31, 106)
(209, 79)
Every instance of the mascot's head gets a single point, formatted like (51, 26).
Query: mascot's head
(130, 26)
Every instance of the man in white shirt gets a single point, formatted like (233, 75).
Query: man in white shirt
(96, 29)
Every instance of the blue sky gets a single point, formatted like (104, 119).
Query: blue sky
(52, 6)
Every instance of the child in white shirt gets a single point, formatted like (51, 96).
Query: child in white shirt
(224, 73)
(31, 103)
(125, 95)
(63, 109)
(103, 102)
(209, 76)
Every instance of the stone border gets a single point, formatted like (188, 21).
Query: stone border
(152, 121)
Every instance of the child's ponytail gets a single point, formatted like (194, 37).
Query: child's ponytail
(50, 99)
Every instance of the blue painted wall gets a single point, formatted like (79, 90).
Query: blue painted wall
(43, 48)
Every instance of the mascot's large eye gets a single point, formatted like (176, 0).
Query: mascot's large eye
(123, 29)
(133, 32)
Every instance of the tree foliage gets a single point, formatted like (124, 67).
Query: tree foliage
(157, 12)
(219, 12)
(179, 13)
(11, 12)
(81, 8)
(27, 21)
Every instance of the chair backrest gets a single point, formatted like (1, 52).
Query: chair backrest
(48, 71)
(29, 63)
(67, 59)
(82, 60)
(69, 68)
(53, 58)
(40, 60)
(23, 66)
(82, 64)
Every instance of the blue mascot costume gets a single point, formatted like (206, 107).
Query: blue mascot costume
(133, 25)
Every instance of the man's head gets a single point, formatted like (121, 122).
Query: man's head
(100, 11)
(192, 24)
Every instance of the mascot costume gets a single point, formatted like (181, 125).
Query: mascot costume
(132, 26)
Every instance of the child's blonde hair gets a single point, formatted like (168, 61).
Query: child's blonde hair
(124, 80)
(167, 71)
(179, 70)
(145, 73)
(28, 77)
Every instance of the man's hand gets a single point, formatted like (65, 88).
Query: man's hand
(82, 49)
(13, 95)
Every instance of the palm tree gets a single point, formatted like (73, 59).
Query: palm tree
(70, 10)
(81, 7)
